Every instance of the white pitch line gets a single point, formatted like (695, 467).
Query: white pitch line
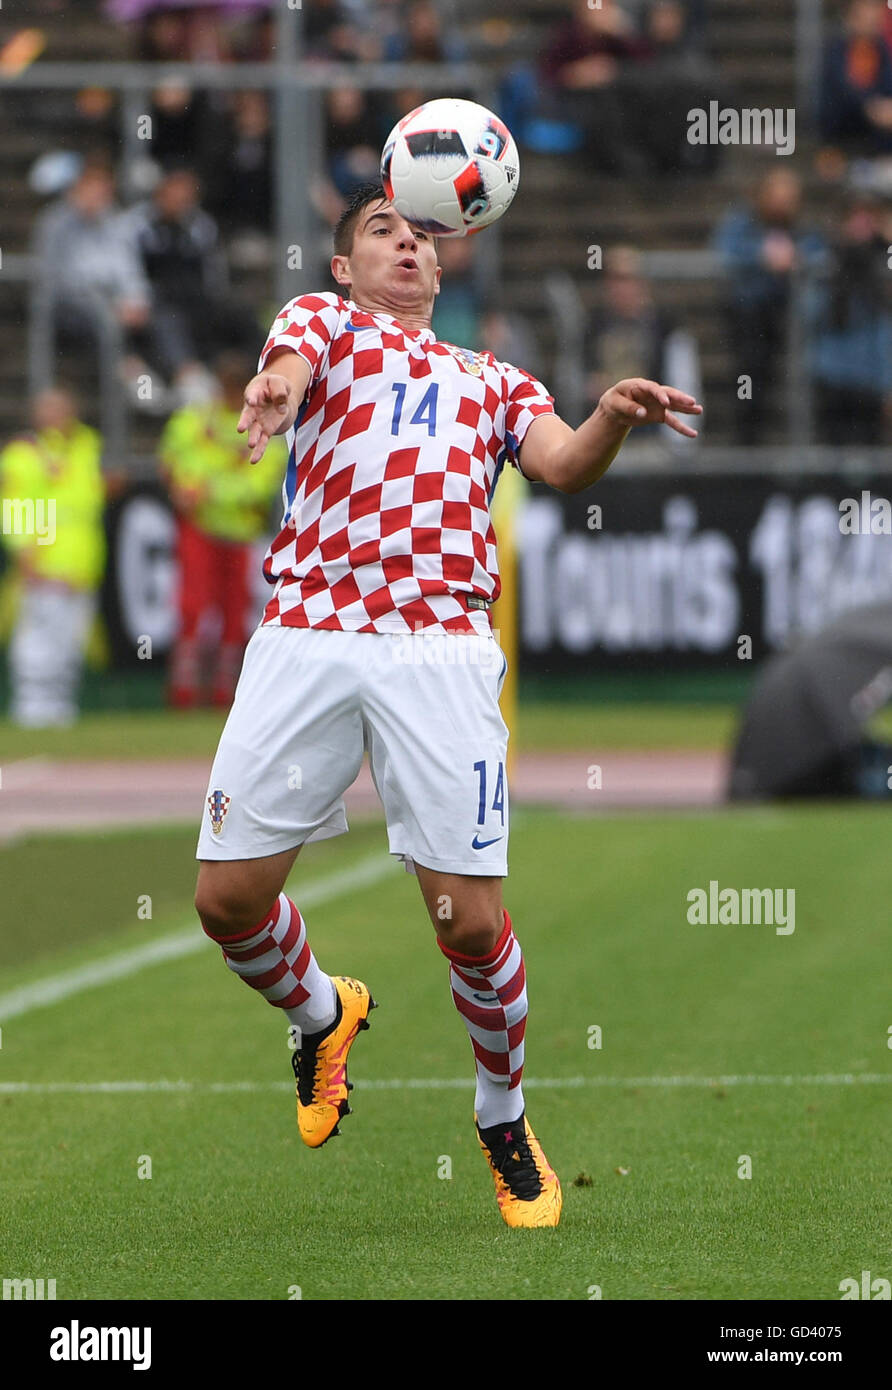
(173, 947)
(432, 1083)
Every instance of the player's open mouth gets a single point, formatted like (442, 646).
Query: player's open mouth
(407, 264)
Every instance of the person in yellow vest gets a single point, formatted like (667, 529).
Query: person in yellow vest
(223, 505)
(52, 495)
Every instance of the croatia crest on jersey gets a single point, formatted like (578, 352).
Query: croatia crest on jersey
(218, 805)
(471, 361)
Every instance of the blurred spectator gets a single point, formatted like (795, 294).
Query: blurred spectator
(694, 21)
(582, 74)
(356, 124)
(851, 353)
(327, 201)
(197, 30)
(54, 172)
(329, 33)
(353, 150)
(625, 78)
(761, 247)
(420, 38)
(193, 311)
(223, 506)
(676, 79)
(398, 103)
(631, 336)
(374, 24)
(240, 175)
(182, 123)
(94, 129)
(162, 34)
(455, 318)
(53, 494)
(181, 118)
(628, 333)
(856, 83)
(676, 22)
(509, 338)
(87, 266)
(666, 28)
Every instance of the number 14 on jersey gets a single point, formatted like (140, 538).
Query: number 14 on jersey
(425, 412)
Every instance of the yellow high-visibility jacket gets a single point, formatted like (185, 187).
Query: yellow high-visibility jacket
(52, 495)
(200, 449)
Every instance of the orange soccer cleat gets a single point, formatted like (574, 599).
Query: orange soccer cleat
(527, 1187)
(320, 1065)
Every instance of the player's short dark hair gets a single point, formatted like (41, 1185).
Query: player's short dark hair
(360, 198)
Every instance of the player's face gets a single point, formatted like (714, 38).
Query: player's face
(393, 260)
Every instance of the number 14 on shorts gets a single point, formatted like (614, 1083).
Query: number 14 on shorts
(483, 805)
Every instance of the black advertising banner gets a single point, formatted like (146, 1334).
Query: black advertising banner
(139, 593)
(646, 571)
(640, 571)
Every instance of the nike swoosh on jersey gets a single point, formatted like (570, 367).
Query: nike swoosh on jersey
(482, 844)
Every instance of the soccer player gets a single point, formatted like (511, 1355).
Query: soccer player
(378, 638)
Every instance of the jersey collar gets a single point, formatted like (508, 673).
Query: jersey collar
(375, 314)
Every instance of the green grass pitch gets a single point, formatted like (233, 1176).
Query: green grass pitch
(237, 1208)
(543, 726)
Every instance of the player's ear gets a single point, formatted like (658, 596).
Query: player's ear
(437, 281)
(340, 269)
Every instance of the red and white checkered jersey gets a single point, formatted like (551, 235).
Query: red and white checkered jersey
(393, 459)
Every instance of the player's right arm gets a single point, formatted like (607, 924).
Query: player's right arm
(273, 398)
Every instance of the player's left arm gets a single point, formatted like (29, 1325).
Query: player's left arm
(570, 460)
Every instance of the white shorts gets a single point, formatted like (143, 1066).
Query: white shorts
(310, 702)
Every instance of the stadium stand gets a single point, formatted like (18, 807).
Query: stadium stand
(749, 42)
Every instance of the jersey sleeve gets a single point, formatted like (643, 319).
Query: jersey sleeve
(307, 325)
(527, 398)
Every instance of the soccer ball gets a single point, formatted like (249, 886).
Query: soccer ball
(450, 167)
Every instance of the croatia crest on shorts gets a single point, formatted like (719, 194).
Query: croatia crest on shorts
(218, 805)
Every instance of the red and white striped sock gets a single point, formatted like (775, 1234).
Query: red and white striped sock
(275, 959)
(490, 994)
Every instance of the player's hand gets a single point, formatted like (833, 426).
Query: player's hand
(269, 405)
(636, 401)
